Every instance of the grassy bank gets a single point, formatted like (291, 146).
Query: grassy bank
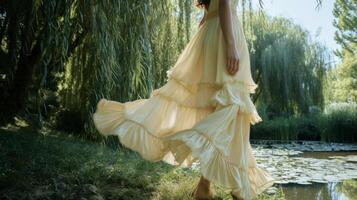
(55, 166)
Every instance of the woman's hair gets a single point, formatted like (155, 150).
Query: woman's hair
(203, 3)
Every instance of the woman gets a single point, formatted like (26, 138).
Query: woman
(203, 112)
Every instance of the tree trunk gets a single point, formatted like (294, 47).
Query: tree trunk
(28, 59)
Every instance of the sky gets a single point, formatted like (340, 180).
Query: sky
(304, 12)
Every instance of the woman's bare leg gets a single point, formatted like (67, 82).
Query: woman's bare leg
(203, 189)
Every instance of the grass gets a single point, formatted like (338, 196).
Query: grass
(34, 165)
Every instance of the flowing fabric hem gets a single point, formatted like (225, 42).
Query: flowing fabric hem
(247, 181)
(135, 136)
(110, 119)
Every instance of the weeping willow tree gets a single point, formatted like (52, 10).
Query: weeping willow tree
(127, 54)
(36, 38)
(86, 50)
(286, 64)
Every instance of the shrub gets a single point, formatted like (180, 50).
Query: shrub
(338, 123)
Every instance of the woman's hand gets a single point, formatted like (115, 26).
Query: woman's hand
(225, 18)
(232, 60)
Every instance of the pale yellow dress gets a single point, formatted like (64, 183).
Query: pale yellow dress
(201, 112)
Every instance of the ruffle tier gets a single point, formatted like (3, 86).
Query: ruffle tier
(183, 122)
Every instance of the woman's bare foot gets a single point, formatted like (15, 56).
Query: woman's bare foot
(203, 190)
(235, 197)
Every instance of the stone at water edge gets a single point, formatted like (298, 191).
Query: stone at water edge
(271, 190)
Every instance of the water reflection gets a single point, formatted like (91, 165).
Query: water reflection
(327, 154)
(346, 190)
(311, 175)
(290, 166)
(310, 171)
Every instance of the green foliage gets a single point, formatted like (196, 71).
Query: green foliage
(341, 83)
(289, 128)
(336, 124)
(286, 64)
(87, 50)
(348, 188)
(37, 38)
(69, 121)
(346, 23)
(339, 122)
(127, 54)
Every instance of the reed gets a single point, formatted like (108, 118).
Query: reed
(337, 123)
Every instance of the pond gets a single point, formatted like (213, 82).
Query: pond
(345, 190)
(310, 170)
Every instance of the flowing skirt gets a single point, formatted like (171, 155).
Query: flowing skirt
(201, 113)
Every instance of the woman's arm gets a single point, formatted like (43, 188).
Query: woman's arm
(225, 17)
